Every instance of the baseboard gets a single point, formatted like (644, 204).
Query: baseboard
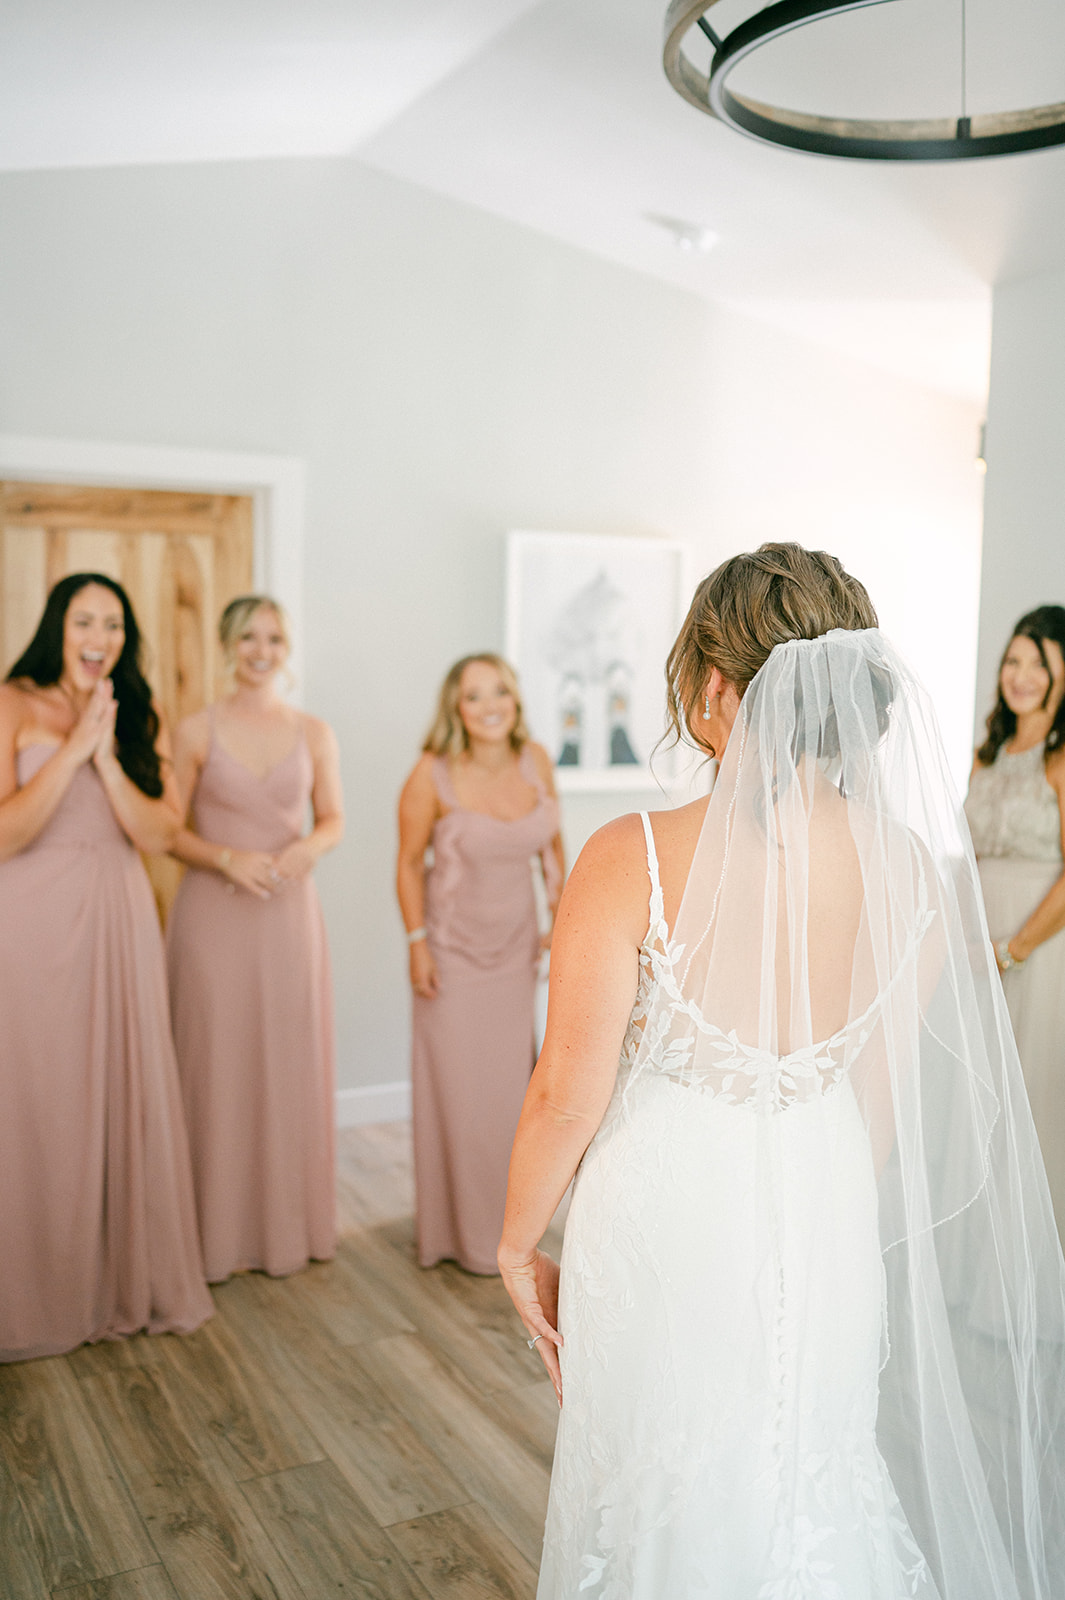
(376, 1102)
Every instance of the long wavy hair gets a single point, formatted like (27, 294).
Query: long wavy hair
(447, 736)
(137, 722)
(1045, 622)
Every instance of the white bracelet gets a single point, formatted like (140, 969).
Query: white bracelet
(415, 934)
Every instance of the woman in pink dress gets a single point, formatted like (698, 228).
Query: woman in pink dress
(482, 798)
(97, 1221)
(250, 985)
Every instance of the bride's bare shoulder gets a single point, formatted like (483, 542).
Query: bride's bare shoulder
(681, 823)
(611, 872)
(613, 848)
(609, 877)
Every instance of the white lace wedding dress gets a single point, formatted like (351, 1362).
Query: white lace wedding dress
(718, 1431)
(812, 1296)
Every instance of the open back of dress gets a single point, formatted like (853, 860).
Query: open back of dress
(812, 1294)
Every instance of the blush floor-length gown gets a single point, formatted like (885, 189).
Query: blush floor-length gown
(97, 1222)
(251, 996)
(473, 1041)
(1016, 826)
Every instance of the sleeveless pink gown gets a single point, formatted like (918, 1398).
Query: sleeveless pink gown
(97, 1222)
(251, 997)
(473, 1042)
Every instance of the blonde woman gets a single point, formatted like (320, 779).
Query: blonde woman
(249, 966)
(482, 797)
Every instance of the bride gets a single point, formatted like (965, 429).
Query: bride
(810, 1327)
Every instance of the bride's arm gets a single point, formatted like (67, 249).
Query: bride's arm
(602, 919)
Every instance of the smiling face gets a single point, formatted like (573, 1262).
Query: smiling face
(1025, 683)
(260, 650)
(94, 632)
(486, 705)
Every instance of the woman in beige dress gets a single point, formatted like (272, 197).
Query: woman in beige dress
(250, 983)
(482, 799)
(1016, 811)
(97, 1223)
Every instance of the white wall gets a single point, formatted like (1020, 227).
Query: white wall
(1024, 517)
(807, 445)
(447, 376)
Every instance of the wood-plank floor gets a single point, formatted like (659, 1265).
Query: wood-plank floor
(363, 1429)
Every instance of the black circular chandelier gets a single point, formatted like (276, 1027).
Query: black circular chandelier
(960, 138)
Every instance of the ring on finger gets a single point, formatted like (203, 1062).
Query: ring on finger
(533, 1342)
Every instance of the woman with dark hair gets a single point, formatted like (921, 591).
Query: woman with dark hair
(250, 986)
(97, 1222)
(1016, 811)
(809, 1325)
(482, 799)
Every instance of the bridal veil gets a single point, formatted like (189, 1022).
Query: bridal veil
(831, 941)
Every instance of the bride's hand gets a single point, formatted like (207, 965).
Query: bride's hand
(532, 1283)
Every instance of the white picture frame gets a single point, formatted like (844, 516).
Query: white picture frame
(590, 619)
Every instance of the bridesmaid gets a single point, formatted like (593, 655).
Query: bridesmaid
(249, 966)
(1016, 812)
(97, 1222)
(482, 797)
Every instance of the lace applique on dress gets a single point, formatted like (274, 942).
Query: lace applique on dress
(737, 1072)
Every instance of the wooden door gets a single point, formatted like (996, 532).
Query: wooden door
(180, 557)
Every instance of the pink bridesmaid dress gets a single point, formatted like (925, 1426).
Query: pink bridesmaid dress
(97, 1221)
(473, 1041)
(251, 997)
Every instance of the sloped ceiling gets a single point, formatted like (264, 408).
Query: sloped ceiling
(556, 115)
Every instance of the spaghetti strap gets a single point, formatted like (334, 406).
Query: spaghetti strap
(529, 770)
(652, 855)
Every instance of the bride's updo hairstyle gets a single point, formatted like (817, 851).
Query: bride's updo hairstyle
(745, 608)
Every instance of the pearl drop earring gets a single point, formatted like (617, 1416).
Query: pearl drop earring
(706, 710)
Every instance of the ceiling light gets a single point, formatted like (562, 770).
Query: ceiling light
(685, 235)
(962, 137)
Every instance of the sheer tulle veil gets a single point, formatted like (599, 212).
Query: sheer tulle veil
(831, 942)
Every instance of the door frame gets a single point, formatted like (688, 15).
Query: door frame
(276, 484)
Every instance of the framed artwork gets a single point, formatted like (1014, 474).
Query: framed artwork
(590, 621)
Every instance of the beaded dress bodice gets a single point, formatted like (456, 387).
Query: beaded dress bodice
(1012, 809)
